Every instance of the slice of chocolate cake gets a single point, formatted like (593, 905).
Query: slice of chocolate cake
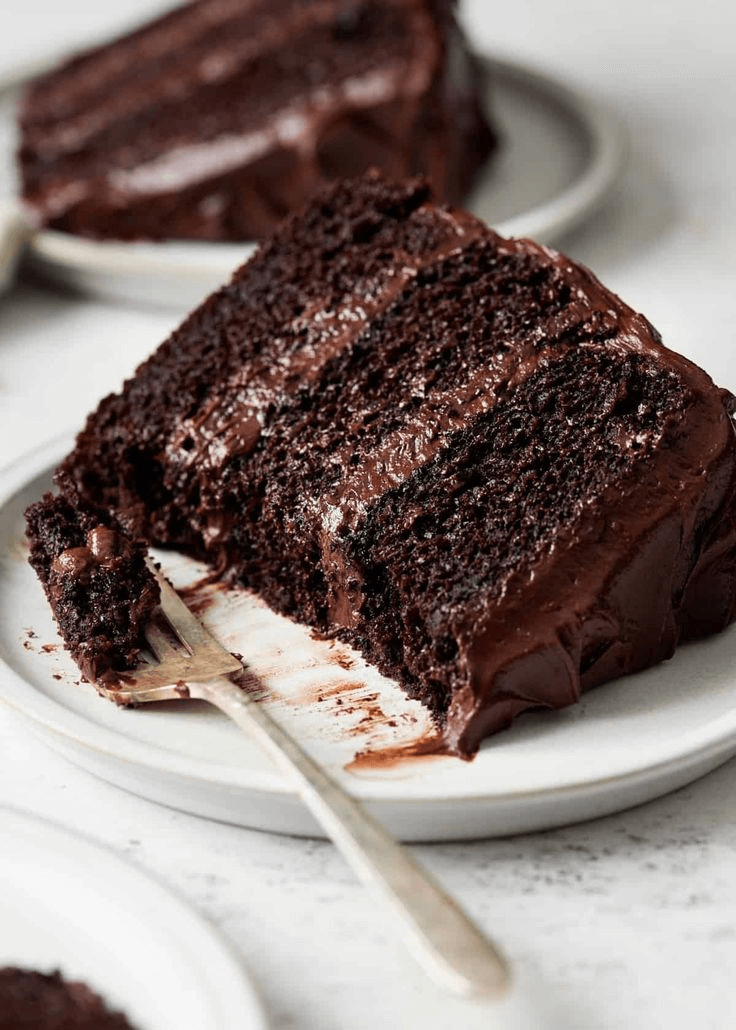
(30, 1000)
(220, 117)
(461, 454)
(98, 585)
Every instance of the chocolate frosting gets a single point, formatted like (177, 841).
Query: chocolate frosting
(104, 548)
(602, 604)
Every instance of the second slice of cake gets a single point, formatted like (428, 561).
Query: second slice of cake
(218, 118)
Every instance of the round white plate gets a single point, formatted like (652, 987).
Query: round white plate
(624, 743)
(558, 156)
(67, 903)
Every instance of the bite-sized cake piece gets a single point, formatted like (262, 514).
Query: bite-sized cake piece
(95, 577)
(217, 119)
(460, 453)
(30, 1000)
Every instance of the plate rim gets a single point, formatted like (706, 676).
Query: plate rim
(63, 722)
(235, 983)
(605, 139)
(556, 215)
(69, 725)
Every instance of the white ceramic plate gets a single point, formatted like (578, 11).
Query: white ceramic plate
(558, 157)
(624, 743)
(69, 904)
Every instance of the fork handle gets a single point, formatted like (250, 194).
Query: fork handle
(449, 946)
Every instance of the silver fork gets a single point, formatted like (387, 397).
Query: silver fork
(449, 946)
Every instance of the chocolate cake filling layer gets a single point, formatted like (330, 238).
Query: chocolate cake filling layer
(461, 454)
(217, 119)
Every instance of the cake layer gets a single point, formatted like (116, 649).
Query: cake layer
(279, 328)
(217, 119)
(275, 76)
(461, 454)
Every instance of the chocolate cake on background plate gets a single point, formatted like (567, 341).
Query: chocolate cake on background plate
(459, 453)
(31, 1000)
(218, 118)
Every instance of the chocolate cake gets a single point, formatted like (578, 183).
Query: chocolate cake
(96, 580)
(30, 1000)
(460, 453)
(218, 118)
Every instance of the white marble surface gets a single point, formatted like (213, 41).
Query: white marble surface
(628, 922)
